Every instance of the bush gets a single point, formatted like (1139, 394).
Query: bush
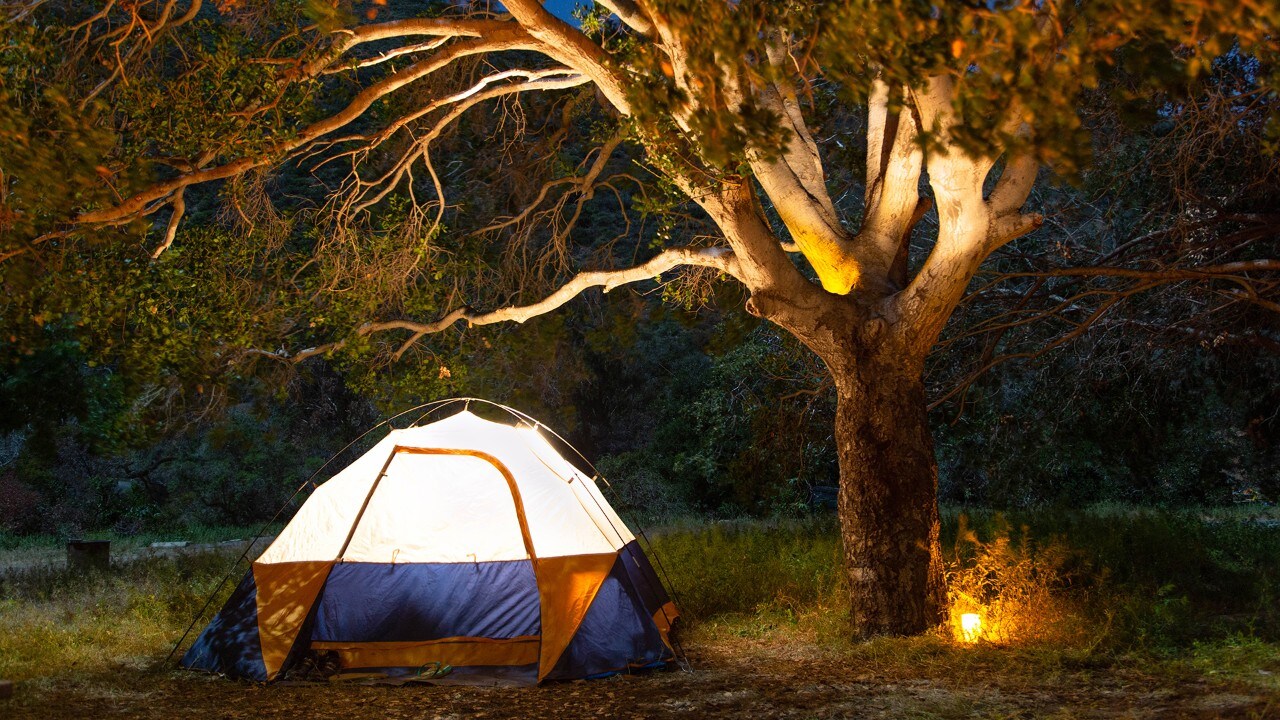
(18, 504)
(1011, 582)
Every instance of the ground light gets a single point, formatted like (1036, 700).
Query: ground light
(970, 627)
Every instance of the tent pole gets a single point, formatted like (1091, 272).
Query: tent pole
(372, 489)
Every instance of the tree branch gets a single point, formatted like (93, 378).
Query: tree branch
(171, 229)
(796, 184)
(720, 258)
(970, 226)
(507, 36)
(631, 15)
(563, 42)
(439, 27)
(892, 202)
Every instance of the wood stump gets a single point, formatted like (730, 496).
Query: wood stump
(88, 555)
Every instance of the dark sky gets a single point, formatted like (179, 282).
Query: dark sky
(562, 8)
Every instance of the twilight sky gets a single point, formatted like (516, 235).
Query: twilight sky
(563, 9)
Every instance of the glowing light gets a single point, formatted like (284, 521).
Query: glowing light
(970, 627)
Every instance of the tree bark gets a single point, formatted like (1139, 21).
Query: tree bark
(888, 499)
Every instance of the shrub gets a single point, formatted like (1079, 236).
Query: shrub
(18, 503)
(1010, 582)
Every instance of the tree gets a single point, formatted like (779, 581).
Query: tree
(962, 103)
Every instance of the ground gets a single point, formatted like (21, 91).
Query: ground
(730, 678)
(1139, 615)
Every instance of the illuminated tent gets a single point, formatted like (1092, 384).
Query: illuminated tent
(464, 542)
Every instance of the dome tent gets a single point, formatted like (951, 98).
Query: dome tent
(463, 542)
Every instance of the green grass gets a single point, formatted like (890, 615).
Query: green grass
(1110, 581)
(54, 623)
(1179, 593)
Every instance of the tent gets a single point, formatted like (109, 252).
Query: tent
(464, 542)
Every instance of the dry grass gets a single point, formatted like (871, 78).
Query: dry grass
(1014, 586)
(52, 622)
(768, 635)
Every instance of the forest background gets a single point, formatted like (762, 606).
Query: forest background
(143, 395)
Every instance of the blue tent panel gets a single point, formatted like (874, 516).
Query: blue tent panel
(617, 632)
(642, 579)
(230, 643)
(376, 602)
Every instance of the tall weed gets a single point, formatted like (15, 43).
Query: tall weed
(1011, 582)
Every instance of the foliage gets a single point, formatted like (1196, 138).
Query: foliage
(50, 149)
(240, 469)
(692, 402)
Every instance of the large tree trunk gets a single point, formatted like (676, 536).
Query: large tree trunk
(888, 501)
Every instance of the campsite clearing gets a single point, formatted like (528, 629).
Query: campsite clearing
(734, 677)
(767, 637)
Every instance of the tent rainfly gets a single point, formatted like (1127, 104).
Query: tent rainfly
(464, 542)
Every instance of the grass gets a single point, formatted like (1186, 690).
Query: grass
(1181, 591)
(1102, 597)
(53, 623)
(29, 550)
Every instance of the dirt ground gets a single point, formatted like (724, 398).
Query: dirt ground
(734, 679)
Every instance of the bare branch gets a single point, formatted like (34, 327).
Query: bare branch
(720, 258)
(151, 36)
(1171, 274)
(552, 80)
(171, 230)
(510, 37)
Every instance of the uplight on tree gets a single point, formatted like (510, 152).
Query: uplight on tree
(970, 627)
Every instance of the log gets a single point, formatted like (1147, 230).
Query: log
(6, 689)
(89, 555)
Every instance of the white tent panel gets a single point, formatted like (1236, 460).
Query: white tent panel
(461, 511)
(318, 530)
(462, 506)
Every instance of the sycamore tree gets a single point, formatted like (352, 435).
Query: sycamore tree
(957, 108)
